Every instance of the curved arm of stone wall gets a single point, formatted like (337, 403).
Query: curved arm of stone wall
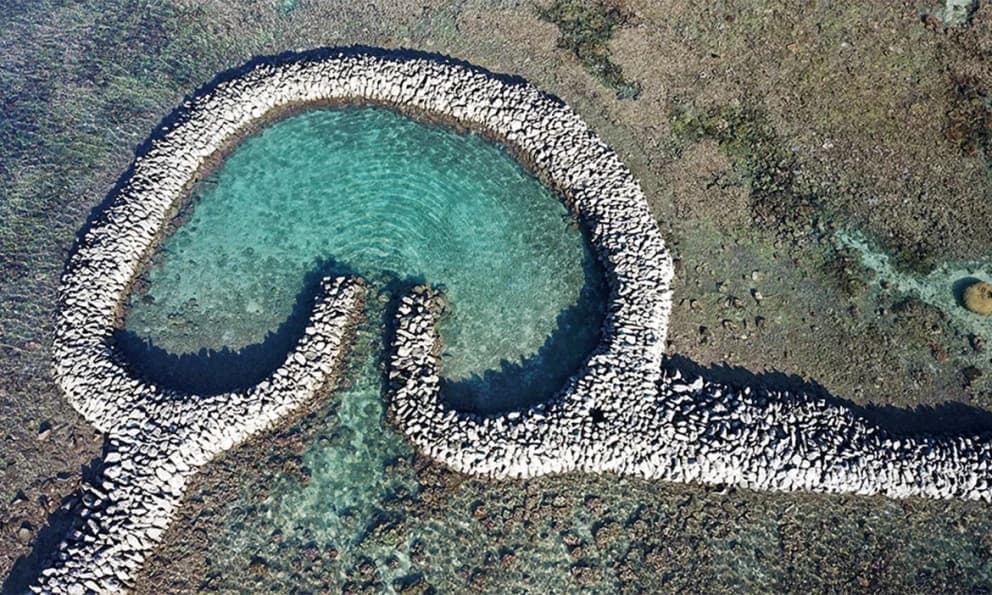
(152, 455)
(688, 431)
(759, 438)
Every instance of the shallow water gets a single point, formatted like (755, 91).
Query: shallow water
(941, 288)
(369, 191)
(79, 108)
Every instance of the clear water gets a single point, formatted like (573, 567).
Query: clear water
(369, 191)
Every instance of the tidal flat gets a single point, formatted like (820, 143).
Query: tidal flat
(764, 135)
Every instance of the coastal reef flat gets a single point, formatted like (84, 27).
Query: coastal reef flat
(760, 132)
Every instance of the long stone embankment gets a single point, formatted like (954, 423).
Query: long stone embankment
(619, 413)
(689, 430)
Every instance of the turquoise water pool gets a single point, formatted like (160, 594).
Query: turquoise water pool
(367, 191)
(372, 192)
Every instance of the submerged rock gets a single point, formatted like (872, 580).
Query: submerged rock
(978, 298)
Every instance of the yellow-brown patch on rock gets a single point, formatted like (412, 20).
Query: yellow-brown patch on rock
(978, 298)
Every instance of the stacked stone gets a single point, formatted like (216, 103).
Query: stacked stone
(691, 431)
(414, 359)
(158, 444)
(779, 440)
(619, 413)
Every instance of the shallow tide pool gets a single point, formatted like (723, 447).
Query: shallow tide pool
(371, 192)
(367, 191)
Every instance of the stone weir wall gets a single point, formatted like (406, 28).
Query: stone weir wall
(157, 437)
(618, 414)
(749, 437)
(158, 443)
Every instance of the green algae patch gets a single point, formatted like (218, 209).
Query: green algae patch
(781, 201)
(586, 30)
(846, 270)
(777, 199)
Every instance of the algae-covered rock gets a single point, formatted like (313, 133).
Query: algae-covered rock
(978, 298)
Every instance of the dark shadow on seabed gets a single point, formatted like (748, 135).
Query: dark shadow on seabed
(539, 377)
(944, 420)
(959, 287)
(211, 372)
(27, 569)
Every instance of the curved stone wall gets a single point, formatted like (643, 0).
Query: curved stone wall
(689, 430)
(618, 414)
(157, 437)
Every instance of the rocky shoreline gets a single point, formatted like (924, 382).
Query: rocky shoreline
(620, 413)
